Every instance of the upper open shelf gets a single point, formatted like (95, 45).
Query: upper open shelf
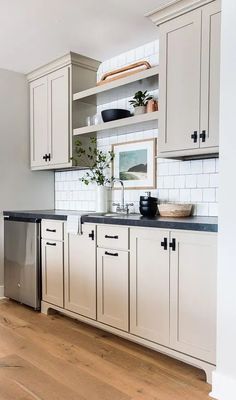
(121, 123)
(90, 95)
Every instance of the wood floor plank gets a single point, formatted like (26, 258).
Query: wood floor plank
(91, 363)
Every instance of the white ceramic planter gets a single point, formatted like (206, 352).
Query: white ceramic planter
(140, 110)
(101, 199)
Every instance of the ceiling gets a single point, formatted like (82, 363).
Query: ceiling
(34, 32)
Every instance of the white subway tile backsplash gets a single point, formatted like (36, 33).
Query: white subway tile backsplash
(209, 195)
(174, 168)
(179, 181)
(213, 209)
(185, 195)
(214, 180)
(209, 166)
(203, 180)
(168, 182)
(193, 181)
(196, 195)
(196, 166)
(185, 168)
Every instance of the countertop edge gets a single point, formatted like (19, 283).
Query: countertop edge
(187, 225)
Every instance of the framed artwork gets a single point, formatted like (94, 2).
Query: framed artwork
(135, 164)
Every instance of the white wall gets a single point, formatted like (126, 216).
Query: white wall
(179, 181)
(224, 380)
(19, 187)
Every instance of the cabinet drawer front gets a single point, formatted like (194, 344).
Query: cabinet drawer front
(52, 230)
(113, 237)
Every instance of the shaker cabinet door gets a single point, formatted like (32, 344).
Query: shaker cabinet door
(38, 122)
(112, 287)
(180, 69)
(193, 269)
(80, 272)
(210, 75)
(58, 116)
(149, 284)
(52, 272)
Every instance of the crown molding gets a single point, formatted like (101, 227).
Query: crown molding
(68, 59)
(173, 9)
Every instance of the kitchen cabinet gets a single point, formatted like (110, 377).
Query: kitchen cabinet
(38, 122)
(52, 262)
(80, 272)
(149, 284)
(52, 272)
(52, 113)
(113, 288)
(173, 278)
(50, 119)
(189, 80)
(193, 294)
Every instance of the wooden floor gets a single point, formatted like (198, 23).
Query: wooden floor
(54, 358)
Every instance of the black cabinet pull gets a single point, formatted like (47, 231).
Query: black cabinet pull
(45, 157)
(203, 136)
(49, 156)
(91, 235)
(164, 244)
(111, 237)
(51, 244)
(111, 254)
(51, 230)
(194, 137)
(173, 245)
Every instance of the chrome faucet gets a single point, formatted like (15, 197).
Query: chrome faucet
(122, 207)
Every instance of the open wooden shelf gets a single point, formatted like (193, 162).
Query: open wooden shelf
(119, 123)
(90, 95)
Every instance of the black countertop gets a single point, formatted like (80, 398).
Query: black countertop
(204, 224)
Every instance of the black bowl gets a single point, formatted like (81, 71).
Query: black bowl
(147, 202)
(148, 211)
(114, 113)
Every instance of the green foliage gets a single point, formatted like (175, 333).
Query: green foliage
(97, 161)
(140, 99)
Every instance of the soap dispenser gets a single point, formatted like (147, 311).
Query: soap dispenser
(148, 205)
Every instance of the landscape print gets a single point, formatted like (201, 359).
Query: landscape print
(133, 165)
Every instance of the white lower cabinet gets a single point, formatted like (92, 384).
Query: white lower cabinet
(52, 272)
(173, 278)
(161, 287)
(149, 284)
(193, 294)
(80, 272)
(113, 288)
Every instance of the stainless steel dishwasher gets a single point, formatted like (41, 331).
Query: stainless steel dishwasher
(22, 260)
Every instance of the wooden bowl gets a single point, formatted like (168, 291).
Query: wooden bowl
(175, 210)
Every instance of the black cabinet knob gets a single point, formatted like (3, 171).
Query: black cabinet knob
(203, 136)
(194, 136)
(164, 244)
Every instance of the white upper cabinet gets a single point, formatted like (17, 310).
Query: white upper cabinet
(189, 78)
(58, 116)
(38, 122)
(210, 75)
(180, 58)
(51, 112)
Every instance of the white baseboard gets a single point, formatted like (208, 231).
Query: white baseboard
(1, 291)
(223, 387)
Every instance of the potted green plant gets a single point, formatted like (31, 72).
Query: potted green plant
(139, 101)
(98, 164)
